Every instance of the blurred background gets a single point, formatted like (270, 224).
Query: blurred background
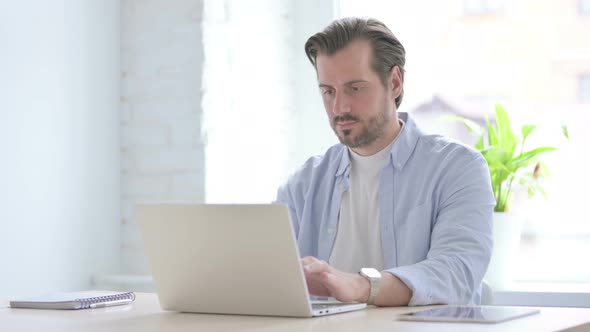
(104, 104)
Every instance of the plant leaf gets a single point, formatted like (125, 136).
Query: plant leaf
(565, 131)
(506, 138)
(495, 154)
(541, 190)
(524, 158)
(479, 146)
(492, 137)
(545, 173)
(472, 126)
(531, 192)
(527, 130)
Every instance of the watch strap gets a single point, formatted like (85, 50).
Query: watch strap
(374, 290)
(374, 278)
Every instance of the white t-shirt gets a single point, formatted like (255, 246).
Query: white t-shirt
(358, 240)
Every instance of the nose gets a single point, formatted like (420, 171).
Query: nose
(340, 104)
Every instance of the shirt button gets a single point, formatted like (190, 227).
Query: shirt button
(398, 165)
(330, 231)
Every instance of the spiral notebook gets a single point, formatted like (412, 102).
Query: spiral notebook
(75, 300)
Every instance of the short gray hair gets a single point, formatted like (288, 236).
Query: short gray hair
(388, 52)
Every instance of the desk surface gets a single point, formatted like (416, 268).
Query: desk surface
(145, 315)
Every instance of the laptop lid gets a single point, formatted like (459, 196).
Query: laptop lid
(231, 259)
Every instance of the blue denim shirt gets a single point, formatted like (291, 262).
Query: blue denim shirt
(436, 207)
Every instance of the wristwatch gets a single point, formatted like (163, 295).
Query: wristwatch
(374, 277)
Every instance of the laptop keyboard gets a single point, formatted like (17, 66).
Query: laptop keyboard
(326, 305)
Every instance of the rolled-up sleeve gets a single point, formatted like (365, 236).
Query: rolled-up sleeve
(461, 238)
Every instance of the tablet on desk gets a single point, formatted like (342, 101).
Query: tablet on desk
(469, 314)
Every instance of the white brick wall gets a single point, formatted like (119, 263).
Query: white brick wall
(162, 149)
(259, 97)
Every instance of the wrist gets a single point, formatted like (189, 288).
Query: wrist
(364, 289)
(373, 276)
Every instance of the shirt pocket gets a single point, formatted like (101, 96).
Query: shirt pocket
(413, 235)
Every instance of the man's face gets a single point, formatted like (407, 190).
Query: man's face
(360, 108)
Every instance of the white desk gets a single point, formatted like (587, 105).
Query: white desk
(145, 315)
(544, 294)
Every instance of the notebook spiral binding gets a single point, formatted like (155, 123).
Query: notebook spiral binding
(86, 303)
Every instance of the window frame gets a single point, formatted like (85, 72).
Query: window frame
(584, 7)
(584, 87)
(484, 7)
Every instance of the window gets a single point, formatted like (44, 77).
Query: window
(479, 7)
(453, 65)
(458, 66)
(259, 129)
(584, 83)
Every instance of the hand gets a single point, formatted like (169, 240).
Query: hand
(324, 280)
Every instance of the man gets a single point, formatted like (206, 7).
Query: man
(412, 212)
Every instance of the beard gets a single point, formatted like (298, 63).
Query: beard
(372, 128)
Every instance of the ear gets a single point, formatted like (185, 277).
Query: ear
(396, 82)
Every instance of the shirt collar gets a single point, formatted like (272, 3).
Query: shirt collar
(405, 145)
(400, 151)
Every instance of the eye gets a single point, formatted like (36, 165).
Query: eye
(356, 88)
(327, 92)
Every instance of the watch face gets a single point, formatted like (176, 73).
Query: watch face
(371, 272)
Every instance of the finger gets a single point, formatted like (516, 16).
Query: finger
(308, 260)
(317, 267)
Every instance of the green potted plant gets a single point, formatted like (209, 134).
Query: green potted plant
(510, 164)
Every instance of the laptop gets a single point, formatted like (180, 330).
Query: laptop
(228, 259)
